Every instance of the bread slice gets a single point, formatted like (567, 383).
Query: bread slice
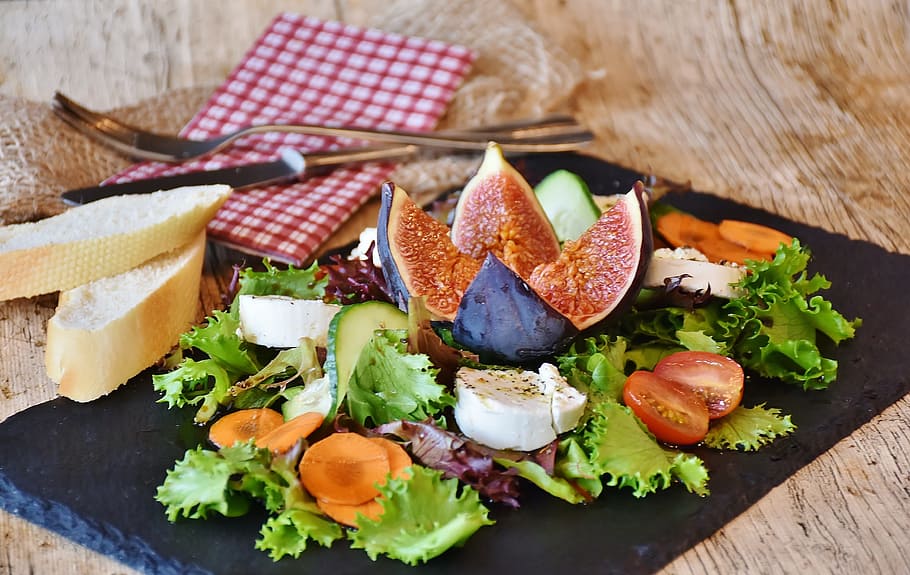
(102, 238)
(107, 331)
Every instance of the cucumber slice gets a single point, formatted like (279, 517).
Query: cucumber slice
(568, 203)
(349, 331)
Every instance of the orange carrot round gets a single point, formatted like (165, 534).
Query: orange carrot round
(718, 250)
(683, 230)
(753, 237)
(344, 468)
(399, 460)
(347, 514)
(285, 436)
(243, 425)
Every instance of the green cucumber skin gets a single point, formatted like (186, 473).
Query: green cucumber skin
(349, 331)
(568, 203)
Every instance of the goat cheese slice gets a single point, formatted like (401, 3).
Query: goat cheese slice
(280, 321)
(513, 409)
(667, 263)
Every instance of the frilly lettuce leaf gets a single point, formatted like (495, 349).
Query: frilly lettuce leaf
(200, 483)
(748, 428)
(219, 339)
(389, 384)
(192, 382)
(775, 322)
(771, 329)
(225, 481)
(596, 366)
(300, 283)
(423, 516)
(289, 532)
(208, 381)
(626, 455)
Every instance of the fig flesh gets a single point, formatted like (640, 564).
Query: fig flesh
(499, 212)
(502, 320)
(418, 257)
(601, 273)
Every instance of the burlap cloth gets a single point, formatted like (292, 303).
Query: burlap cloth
(518, 73)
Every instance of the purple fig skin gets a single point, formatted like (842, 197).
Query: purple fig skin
(504, 321)
(397, 288)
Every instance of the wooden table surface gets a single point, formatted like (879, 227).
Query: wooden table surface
(801, 108)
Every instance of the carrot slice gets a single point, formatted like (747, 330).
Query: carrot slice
(717, 249)
(285, 436)
(753, 237)
(399, 460)
(344, 468)
(243, 425)
(347, 514)
(682, 230)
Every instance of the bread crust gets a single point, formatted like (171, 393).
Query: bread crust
(89, 361)
(49, 266)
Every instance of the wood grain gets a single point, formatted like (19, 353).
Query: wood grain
(801, 108)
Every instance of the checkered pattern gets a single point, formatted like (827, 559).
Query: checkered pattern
(305, 70)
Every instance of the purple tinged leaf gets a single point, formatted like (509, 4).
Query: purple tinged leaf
(456, 457)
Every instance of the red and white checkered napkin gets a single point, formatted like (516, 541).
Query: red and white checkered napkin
(305, 70)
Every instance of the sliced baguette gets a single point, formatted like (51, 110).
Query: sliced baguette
(107, 331)
(102, 238)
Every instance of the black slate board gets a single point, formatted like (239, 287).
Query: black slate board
(89, 471)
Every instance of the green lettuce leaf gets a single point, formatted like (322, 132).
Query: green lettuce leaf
(574, 465)
(227, 480)
(776, 322)
(218, 338)
(748, 428)
(289, 532)
(389, 384)
(300, 283)
(552, 484)
(596, 366)
(423, 516)
(192, 382)
(201, 483)
(627, 455)
(288, 365)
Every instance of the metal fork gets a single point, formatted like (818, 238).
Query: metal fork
(553, 134)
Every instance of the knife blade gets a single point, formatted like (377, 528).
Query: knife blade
(291, 165)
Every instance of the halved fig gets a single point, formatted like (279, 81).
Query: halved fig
(418, 257)
(499, 212)
(502, 320)
(600, 273)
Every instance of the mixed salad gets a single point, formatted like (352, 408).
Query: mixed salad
(363, 428)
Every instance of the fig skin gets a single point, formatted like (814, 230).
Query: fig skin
(503, 320)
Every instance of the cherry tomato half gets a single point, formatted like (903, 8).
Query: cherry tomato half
(717, 379)
(672, 412)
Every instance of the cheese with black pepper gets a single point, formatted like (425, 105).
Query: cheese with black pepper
(515, 409)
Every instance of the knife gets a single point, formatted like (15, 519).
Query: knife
(291, 165)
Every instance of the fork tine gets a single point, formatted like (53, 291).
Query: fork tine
(90, 119)
(558, 133)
